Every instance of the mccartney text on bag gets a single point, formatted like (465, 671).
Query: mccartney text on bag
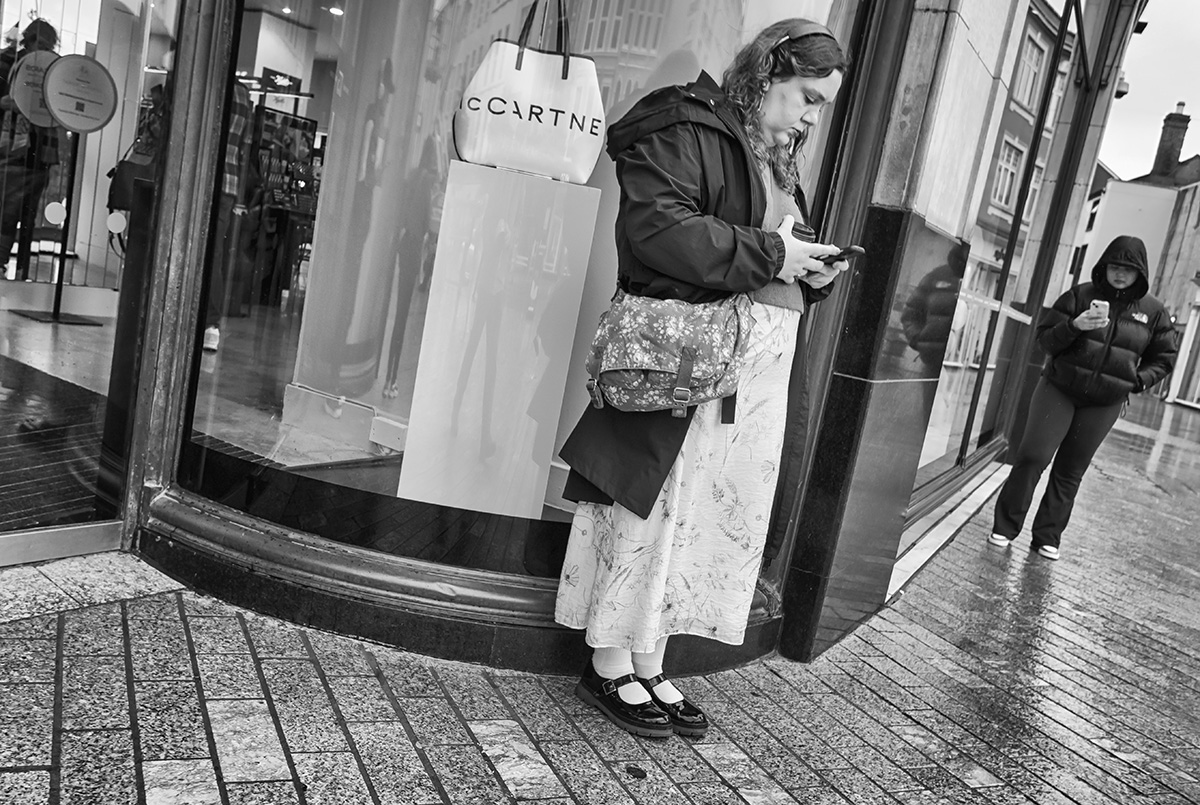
(533, 113)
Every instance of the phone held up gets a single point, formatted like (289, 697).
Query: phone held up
(847, 253)
(806, 234)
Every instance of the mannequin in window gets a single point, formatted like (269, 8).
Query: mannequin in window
(230, 203)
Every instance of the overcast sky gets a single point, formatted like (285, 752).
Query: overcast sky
(1162, 67)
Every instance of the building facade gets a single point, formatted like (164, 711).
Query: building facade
(371, 446)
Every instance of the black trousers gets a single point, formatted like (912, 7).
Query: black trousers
(1056, 423)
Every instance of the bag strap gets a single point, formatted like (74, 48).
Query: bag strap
(563, 36)
(682, 393)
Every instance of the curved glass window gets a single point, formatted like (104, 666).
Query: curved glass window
(392, 341)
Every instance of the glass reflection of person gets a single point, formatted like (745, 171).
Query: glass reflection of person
(27, 152)
(486, 317)
(928, 317)
(669, 533)
(409, 246)
(1104, 340)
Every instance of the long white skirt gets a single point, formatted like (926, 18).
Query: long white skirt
(691, 566)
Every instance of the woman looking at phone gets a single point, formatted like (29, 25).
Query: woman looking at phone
(1104, 340)
(673, 512)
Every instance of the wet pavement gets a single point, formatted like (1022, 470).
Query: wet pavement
(996, 677)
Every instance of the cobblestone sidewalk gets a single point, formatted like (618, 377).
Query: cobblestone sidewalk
(998, 677)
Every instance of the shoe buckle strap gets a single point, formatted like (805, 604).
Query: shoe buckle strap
(609, 686)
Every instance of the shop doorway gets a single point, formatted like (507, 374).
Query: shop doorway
(77, 190)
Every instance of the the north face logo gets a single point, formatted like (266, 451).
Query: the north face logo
(1142, 317)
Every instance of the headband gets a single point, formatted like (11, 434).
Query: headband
(801, 28)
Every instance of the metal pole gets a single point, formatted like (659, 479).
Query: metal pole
(66, 231)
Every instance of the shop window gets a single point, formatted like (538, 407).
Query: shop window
(380, 324)
(983, 317)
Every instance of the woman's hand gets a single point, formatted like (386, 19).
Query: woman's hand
(802, 259)
(826, 274)
(1090, 319)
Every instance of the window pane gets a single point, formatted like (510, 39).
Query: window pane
(69, 353)
(395, 322)
(962, 418)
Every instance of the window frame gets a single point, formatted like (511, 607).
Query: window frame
(1014, 182)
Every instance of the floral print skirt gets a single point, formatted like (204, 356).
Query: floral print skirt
(691, 566)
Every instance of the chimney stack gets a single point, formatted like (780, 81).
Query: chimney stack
(1170, 144)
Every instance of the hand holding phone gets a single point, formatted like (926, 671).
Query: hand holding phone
(1095, 317)
(847, 253)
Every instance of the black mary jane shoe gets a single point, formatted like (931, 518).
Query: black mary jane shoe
(646, 719)
(686, 718)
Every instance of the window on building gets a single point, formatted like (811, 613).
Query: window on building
(617, 24)
(1035, 187)
(1060, 87)
(1029, 72)
(588, 41)
(1008, 172)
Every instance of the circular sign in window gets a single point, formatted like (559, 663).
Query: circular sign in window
(80, 93)
(25, 86)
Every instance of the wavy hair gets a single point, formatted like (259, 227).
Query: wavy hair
(765, 61)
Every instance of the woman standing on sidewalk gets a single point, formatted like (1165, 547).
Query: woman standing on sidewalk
(669, 534)
(1104, 339)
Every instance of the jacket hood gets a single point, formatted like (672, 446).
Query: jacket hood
(1124, 250)
(700, 101)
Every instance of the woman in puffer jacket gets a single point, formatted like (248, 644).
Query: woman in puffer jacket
(1095, 359)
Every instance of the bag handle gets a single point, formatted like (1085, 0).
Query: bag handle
(563, 36)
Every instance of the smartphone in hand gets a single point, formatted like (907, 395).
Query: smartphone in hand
(1100, 305)
(847, 253)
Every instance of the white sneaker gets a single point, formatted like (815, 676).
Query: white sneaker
(212, 339)
(1048, 552)
(999, 539)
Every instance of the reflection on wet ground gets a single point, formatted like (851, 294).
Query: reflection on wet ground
(1161, 442)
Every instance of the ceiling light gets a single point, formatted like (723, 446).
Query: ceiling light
(287, 9)
(336, 11)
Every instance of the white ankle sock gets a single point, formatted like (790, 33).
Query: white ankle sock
(650, 665)
(612, 663)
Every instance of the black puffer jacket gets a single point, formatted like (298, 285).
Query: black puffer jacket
(1136, 350)
(928, 315)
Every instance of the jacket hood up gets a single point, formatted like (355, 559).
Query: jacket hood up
(700, 102)
(1125, 250)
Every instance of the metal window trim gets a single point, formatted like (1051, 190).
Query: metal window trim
(205, 44)
(347, 571)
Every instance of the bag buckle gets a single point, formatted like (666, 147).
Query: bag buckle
(681, 396)
(594, 392)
